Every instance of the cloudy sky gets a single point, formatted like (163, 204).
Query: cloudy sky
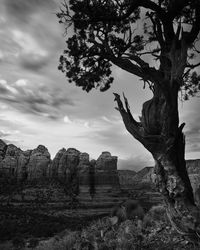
(39, 106)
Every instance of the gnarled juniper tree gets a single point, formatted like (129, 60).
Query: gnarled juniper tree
(130, 34)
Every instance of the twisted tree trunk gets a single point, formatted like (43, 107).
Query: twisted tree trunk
(160, 133)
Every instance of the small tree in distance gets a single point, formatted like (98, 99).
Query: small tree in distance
(130, 34)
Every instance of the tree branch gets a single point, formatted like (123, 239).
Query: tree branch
(192, 66)
(175, 6)
(130, 123)
(192, 35)
(127, 65)
(157, 28)
(141, 70)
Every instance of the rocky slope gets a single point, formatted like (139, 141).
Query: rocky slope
(126, 177)
(146, 175)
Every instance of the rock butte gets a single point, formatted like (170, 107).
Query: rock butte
(76, 168)
(69, 166)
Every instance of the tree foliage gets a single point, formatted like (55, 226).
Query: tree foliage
(152, 39)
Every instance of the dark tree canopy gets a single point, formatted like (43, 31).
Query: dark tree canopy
(152, 39)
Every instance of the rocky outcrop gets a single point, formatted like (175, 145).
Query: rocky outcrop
(69, 165)
(64, 163)
(30, 164)
(9, 163)
(3, 147)
(58, 162)
(146, 175)
(193, 168)
(38, 163)
(84, 170)
(106, 162)
(106, 170)
(23, 160)
(126, 177)
(98, 179)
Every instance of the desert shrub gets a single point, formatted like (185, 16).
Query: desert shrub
(101, 235)
(18, 242)
(129, 236)
(62, 242)
(156, 215)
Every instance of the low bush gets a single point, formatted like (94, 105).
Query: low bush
(156, 233)
(155, 216)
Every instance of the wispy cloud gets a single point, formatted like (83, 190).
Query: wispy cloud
(22, 11)
(38, 100)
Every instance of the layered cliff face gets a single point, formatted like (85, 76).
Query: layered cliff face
(30, 164)
(128, 177)
(106, 170)
(70, 168)
(38, 163)
(64, 163)
(90, 178)
(146, 175)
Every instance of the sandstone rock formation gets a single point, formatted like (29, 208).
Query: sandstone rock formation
(64, 163)
(9, 162)
(84, 169)
(106, 162)
(98, 177)
(39, 160)
(193, 168)
(69, 165)
(3, 147)
(97, 180)
(31, 164)
(146, 175)
(106, 170)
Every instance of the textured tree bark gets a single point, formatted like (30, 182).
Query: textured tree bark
(160, 133)
(173, 183)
